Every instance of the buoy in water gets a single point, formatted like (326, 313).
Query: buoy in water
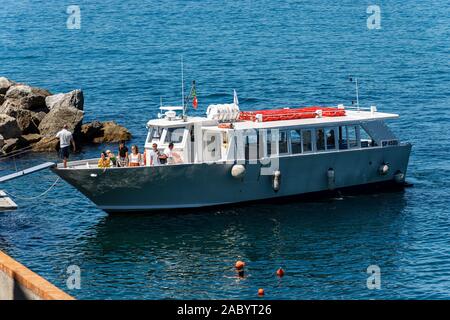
(280, 272)
(240, 265)
(260, 292)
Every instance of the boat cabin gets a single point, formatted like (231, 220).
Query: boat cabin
(227, 135)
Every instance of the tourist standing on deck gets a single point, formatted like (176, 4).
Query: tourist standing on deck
(168, 154)
(123, 155)
(154, 156)
(135, 158)
(65, 139)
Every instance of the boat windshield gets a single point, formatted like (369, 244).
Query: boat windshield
(174, 135)
(154, 134)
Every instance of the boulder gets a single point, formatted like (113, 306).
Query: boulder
(100, 132)
(2, 141)
(46, 144)
(58, 117)
(74, 99)
(5, 84)
(14, 144)
(112, 132)
(2, 99)
(32, 138)
(91, 131)
(27, 97)
(28, 121)
(8, 127)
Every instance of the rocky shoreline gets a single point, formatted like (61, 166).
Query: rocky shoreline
(30, 117)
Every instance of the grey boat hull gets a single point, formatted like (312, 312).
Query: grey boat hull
(202, 185)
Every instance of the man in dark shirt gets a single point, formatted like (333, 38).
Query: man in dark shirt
(123, 154)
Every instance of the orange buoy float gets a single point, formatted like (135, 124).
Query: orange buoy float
(240, 265)
(280, 272)
(260, 292)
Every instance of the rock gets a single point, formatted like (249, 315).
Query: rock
(2, 99)
(14, 144)
(28, 121)
(74, 99)
(2, 141)
(91, 131)
(112, 132)
(32, 138)
(46, 144)
(98, 132)
(8, 127)
(5, 84)
(58, 117)
(27, 97)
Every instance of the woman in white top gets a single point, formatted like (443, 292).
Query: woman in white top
(135, 158)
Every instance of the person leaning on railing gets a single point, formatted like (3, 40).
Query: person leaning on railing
(104, 161)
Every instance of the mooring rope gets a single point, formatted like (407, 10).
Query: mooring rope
(35, 197)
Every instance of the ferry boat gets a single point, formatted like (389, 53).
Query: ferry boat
(231, 156)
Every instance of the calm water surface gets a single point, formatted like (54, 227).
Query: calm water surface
(288, 53)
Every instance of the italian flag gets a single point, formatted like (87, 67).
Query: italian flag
(193, 95)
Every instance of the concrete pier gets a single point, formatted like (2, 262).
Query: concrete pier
(20, 283)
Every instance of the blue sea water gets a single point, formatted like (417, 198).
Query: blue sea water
(274, 53)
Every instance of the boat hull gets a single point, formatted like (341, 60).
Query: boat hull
(202, 185)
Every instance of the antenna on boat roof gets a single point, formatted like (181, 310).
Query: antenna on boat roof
(354, 79)
(182, 89)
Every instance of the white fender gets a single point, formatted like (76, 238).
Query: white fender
(276, 180)
(383, 169)
(238, 171)
(399, 177)
(331, 179)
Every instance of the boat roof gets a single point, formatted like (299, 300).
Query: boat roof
(351, 116)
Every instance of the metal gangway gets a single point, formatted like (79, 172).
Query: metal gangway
(6, 203)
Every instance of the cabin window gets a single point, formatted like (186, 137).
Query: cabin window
(366, 139)
(320, 140)
(270, 150)
(330, 136)
(283, 142)
(342, 138)
(251, 147)
(352, 137)
(174, 135)
(296, 142)
(307, 140)
(348, 137)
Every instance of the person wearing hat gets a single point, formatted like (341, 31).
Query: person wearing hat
(112, 157)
